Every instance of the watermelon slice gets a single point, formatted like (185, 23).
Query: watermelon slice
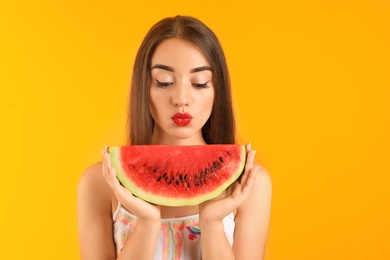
(177, 175)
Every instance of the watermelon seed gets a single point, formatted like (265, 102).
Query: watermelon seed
(185, 177)
(154, 170)
(170, 182)
(188, 184)
(215, 165)
(177, 182)
(221, 159)
(180, 177)
(159, 178)
(228, 153)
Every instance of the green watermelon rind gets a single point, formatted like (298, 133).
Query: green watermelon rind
(167, 201)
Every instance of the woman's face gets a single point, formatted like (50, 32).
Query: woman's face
(181, 93)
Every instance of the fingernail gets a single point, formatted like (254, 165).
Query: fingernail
(249, 146)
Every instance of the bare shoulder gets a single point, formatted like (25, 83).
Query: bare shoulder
(253, 218)
(259, 199)
(92, 187)
(94, 213)
(91, 176)
(263, 180)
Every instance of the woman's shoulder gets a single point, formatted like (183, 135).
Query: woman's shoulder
(94, 213)
(260, 197)
(263, 186)
(263, 178)
(253, 217)
(92, 176)
(93, 186)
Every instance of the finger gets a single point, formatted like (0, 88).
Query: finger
(104, 152)
(247, 186)
(105, 169)
(248, 147)
(105, 149)
(248, 165)
(106, 161)
(108, 170)
(114, 183)
(111, 178)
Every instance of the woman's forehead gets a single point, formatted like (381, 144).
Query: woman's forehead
(177, 53)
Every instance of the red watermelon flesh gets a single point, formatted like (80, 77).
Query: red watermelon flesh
(177, 175)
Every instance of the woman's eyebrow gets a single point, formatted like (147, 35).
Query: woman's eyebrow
(203, 68)
(163, 67)
(168, 68)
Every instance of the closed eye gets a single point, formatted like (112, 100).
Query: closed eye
(163, 84)
(199, 85)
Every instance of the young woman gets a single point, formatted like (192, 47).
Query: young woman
(180, 69)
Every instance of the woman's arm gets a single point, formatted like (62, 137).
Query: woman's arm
(94, 212)
(251, 231)
(243, 198)
(95, 197)
(215, 244)
(141, 244)
(252, 220)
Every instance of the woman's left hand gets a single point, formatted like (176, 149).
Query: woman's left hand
(218, 208)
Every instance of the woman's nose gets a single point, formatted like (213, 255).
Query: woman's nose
(181, 95)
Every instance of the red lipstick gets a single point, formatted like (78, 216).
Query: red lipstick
(182, 119)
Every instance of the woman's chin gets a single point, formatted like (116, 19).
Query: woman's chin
(186, 137)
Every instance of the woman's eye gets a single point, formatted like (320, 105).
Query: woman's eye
(201, 85)
(163, 84)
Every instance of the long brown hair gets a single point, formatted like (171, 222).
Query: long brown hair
(220, 127)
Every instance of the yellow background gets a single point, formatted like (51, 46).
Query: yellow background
(311, 90)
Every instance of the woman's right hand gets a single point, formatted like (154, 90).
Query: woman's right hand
(144, 211)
